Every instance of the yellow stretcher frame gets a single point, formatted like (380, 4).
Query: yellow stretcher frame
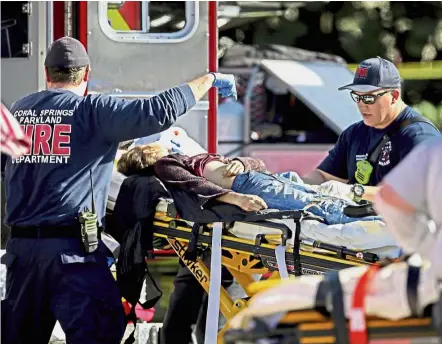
(241, 257)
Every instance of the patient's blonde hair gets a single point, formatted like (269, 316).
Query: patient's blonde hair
(139, 158)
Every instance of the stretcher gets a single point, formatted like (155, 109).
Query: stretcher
(244, 256)
(257, 255)
(363, 309)
(270, 244)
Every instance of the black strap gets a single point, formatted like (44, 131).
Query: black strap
(412, 289)
(321, 295)
(192, 252)
(337, 303)
(296, 248)
(374, 155)
(152, 302)
(46, 231)
(358, 211)
(132, 315)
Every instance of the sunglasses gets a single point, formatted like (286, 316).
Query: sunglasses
(368, 99)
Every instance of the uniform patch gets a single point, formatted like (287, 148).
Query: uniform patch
(51, 138)
(362, 71)
(384, 157)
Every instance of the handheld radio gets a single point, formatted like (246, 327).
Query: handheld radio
(89, 225)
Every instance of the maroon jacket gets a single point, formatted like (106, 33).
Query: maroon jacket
(185, 173)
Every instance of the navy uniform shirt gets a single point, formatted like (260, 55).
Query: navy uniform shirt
(357, 141)
(72, 135)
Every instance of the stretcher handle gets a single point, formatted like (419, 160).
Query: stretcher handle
(286, 235)
(343, 251)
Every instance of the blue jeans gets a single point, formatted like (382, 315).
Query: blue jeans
(284, 194)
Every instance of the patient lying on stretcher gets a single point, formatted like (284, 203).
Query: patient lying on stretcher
(242, 181)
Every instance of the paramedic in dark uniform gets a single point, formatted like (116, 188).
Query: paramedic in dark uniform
(347, 169)
(51, 273)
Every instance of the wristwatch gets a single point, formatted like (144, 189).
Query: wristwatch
(357, 191)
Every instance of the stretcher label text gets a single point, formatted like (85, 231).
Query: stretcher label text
(192, 266)
(50, 136)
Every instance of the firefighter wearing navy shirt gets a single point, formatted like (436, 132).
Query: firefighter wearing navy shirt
(56, 264)
(366, 151)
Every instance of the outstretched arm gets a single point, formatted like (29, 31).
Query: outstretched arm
(334, 166)
(201, 86)
(225, 83)
(174, 174)
(317, 177)
(118, 120)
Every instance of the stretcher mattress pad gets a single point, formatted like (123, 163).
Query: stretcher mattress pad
(370, 236)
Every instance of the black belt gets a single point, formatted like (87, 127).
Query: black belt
(73, 231)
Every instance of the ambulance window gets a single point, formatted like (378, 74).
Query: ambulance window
(167, 16)
(148, 21)
(14, 28)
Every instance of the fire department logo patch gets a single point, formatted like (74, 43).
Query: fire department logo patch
(362, 71)
(384, 158)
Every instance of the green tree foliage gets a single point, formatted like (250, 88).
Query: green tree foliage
(431, 111)
(400, 31)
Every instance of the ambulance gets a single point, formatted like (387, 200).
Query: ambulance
(289, 112)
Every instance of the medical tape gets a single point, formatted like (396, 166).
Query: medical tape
(280, 260)
(215, 286)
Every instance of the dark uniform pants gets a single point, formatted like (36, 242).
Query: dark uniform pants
(54, 279)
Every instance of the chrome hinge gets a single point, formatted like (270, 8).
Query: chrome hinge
(26, 49)
(27, 8)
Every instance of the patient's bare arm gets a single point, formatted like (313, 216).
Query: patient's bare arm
(174, 174)
(317, 177)
(243, 164)
(234, 168)
(245, 202)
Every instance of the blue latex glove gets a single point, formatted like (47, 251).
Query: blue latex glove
(226, 85)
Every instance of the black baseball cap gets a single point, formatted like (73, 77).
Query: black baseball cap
(67, 52)
(373, 74)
